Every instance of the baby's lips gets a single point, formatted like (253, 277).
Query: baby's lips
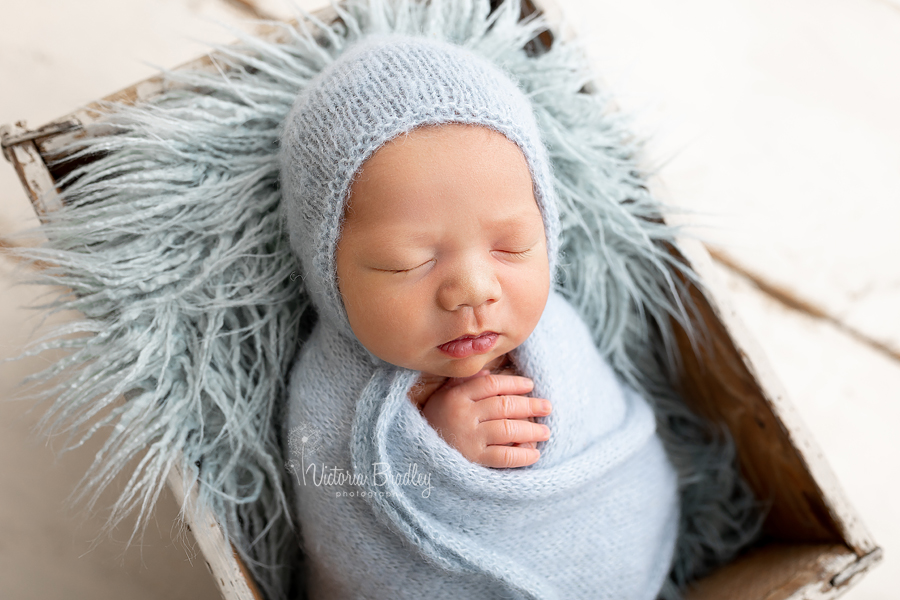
(470, 345)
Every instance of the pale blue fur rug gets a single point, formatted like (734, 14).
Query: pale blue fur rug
(171, 244)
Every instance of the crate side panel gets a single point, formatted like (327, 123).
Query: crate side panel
(730, 381)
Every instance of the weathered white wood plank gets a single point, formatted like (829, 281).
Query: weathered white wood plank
(779, 122)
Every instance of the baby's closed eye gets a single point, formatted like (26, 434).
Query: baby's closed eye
(403, 269)
(515, 253)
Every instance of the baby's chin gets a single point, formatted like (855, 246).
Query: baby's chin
(430, 368)
(469, 366)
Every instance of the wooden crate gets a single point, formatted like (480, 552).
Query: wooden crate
(815, 546)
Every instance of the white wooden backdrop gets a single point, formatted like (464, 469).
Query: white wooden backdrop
(776, 121)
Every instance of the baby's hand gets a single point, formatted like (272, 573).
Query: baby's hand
(485, 418)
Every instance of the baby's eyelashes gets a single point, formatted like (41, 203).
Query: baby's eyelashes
(404, 270)
(402, 266)
(515, 253)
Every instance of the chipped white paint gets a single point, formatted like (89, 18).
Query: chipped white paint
(824, 590)
(847, 572)
(857, 568)
(33, 173)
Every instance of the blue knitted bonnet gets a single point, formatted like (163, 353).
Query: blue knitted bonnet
(380, 88)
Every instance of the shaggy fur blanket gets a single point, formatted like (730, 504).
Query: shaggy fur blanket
(171, 247)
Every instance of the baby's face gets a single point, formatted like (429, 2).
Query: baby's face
(442, 261)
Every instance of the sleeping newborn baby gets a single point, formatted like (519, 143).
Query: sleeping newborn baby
(428, 460)
(442, 266)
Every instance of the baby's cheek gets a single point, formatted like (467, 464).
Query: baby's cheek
(534, 307)
(527, 292)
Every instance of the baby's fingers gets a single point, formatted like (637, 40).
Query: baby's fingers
(513, 407)
(510, 431)
(479, 388)
(505, 457)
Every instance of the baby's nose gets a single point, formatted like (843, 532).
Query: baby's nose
(469, 285)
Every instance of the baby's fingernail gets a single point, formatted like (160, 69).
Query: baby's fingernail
(546, 430)
(545, 405)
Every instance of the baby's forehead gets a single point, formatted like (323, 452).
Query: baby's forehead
(435, 141)
(437, 171)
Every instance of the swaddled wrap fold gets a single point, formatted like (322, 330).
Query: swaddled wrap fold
(388, 509)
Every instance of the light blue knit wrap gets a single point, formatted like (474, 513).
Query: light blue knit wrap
(382, 87)
(389, 510)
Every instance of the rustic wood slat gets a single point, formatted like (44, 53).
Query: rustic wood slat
(32, 172)
(226, 567)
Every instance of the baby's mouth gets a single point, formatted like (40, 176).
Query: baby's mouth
(470, 345)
